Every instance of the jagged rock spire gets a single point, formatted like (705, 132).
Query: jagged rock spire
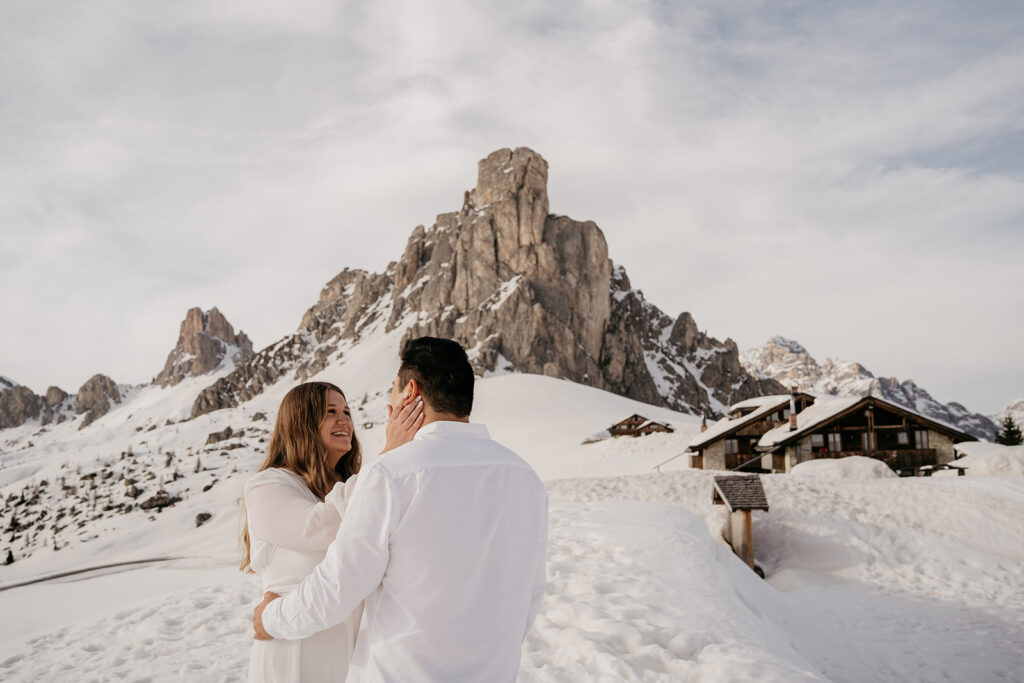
(511, 281)
(203, 342)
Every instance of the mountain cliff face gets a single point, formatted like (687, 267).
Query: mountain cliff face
(523, 290)
(788, 362)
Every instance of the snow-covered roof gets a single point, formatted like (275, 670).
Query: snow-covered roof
(824, 409)
(759, 401)
(763, 404)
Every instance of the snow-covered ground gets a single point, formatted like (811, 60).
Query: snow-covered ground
(867, 578)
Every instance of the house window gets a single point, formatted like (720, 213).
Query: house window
(817, 441)
(867, 441)
(835, 442)
(902, 438)
(732, 446)
(920, 439)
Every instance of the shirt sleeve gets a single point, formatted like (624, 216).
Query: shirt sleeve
(539, 577)
(280, 513)
(352, 568)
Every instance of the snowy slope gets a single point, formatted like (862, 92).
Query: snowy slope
(860, 588)
(868, 579)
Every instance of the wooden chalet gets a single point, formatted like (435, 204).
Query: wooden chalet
(837, 427)
(731, 443)
(638, 425)
(740, 494)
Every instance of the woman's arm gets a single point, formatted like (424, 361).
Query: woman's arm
(280, 513)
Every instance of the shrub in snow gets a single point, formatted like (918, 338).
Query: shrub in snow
(1011, 435)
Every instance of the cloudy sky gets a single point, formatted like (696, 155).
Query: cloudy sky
(849, 175)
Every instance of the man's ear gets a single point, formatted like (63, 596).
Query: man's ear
(412, 389)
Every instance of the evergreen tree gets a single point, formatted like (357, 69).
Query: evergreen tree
(1011, 435)
(10, 558)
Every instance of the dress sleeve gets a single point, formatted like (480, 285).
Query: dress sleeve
(280, 513)
(352, 568)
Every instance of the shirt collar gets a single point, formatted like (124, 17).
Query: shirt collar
(448, 427)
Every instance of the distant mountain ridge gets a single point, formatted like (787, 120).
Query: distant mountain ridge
(206, 341)
(791, 364)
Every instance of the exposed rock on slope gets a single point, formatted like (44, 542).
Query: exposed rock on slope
(204, 341)
(18, 404)
(95, 398)
(524, 290)
(790, 363)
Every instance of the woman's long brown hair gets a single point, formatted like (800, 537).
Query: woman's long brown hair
(296, 446)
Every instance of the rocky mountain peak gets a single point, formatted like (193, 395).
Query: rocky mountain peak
(204, 340)
(784, 360)
(787, 344)
(522, 289)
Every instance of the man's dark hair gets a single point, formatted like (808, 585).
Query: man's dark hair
(442, 369)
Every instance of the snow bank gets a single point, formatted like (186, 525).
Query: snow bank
(989, 459)
(636, 592)
(851, 467)
(642, 592)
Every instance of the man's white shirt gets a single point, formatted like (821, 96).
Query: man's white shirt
(445, 538)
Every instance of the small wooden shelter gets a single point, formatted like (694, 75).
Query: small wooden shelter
(638, 425)
(741, 494)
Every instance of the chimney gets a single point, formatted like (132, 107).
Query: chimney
(703, 423)
(792, 409)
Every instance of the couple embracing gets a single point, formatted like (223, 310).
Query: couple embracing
(437, 547)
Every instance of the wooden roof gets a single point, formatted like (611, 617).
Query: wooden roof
(740, 493)
(643, 422)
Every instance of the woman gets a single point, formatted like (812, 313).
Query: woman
(294, 505)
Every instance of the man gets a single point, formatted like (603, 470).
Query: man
(445, 539)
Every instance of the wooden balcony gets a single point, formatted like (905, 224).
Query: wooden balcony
(759, 428)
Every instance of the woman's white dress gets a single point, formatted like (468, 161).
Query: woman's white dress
(289, 530)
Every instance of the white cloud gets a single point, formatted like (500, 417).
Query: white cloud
(738, 157)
